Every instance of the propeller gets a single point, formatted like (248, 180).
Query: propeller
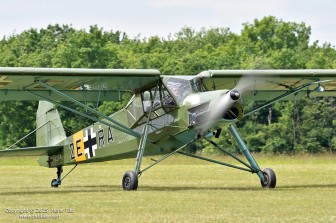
(246, 83)
(221, 106)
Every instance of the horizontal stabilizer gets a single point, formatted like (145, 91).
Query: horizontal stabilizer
(31, 151)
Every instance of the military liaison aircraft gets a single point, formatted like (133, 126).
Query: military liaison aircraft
(165, 115)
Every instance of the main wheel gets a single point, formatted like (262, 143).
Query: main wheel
(53, 184)
(130, 181)
(269, 177)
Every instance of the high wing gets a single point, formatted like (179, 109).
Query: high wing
(266, 85)
(81, 84)
(31, 151)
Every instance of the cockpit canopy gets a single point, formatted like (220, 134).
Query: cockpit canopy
(166, 96)
(182, 86)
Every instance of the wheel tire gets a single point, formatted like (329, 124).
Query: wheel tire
(270, 178)
(130, 181)
(52, 183)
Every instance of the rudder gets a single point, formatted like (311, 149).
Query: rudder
(50, 130)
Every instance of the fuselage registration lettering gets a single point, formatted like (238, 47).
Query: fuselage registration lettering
(84, 143)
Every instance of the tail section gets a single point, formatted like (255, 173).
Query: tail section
(50, 129)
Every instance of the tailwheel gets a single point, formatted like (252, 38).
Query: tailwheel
(58, 181)
(54, 183)
(270, 179)
(130, 181)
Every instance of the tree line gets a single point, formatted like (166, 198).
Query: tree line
(304, 126)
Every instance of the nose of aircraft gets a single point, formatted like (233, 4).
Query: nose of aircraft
(214, 108)
(235, 95)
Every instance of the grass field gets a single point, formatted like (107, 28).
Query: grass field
(179, 190)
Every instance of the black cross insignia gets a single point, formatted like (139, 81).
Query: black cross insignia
(90, 143)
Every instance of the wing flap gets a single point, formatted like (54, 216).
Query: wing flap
(31, 151)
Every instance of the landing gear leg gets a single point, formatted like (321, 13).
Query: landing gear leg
(130, 178)
(267, 177)
(58, 181)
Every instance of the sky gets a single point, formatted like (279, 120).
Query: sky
(165, 17)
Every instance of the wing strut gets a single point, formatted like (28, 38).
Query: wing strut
(117, 125)
(86, 107)
(288, 93)
(142, 144)
(82, 114)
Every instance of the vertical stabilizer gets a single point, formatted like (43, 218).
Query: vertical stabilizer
(50, 129)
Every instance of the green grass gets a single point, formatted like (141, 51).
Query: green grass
(179, 190)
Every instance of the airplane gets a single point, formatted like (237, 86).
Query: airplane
(166, 114)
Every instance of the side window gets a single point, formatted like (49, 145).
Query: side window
(146, 101)
(197, 85)
(162, 99)
(157, 99)
(148, 97)
(135, 109)
(139, 106)
(167, 99)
